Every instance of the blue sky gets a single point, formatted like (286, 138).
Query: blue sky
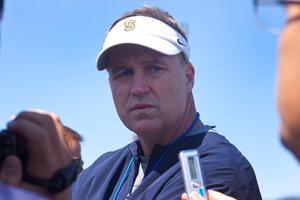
(47, 61)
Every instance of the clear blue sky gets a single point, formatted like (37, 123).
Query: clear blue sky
(47, 61)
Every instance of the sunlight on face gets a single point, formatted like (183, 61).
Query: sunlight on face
(149, 88)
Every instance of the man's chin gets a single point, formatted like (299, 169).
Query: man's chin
(142, 114)
(145, 127)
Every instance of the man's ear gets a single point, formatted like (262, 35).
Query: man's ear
(189, 74)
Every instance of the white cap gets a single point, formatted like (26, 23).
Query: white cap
(147, 32)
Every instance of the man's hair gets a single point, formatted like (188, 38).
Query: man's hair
(72, 134)
(155, 13)
(71, 137)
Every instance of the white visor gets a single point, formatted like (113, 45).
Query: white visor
(147, 32)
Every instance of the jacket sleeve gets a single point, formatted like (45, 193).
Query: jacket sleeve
(226, 170)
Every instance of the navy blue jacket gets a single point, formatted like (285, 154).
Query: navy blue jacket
(224, 169)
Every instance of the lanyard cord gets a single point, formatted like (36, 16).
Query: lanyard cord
(123, 179)
(179, 139)
(169, 147)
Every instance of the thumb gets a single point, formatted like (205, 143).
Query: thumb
(214, 195)
(11, 171)
(195, 196)
(184, 196)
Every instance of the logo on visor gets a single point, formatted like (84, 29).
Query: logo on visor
(179, 42)
(129, 25)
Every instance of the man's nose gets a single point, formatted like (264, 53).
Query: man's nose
(139, 85)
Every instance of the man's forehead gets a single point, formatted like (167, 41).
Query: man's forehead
(132, 49)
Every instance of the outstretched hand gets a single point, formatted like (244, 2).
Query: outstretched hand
(11, 171)
(43, 134)
(211, 195)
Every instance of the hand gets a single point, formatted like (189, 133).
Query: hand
(11, 171)
(211, 195)
(43, 133)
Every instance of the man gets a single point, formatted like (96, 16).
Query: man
(146, 54)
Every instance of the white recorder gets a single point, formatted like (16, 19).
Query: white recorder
(191, 171)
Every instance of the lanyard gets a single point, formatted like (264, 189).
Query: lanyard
(124, 178)
(176, 141)
(164, 154)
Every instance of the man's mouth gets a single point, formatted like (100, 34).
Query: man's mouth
(141, 107)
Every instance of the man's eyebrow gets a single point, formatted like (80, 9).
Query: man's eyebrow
(117, 67)
(154, 61)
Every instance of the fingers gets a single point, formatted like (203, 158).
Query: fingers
(28, 131)
(40, 118)
(47, 120)
(43, 134)
(195, 196)
(214, 195)
(192, 196)
(211, 195)
(37, 125)
(11, 171)
(184, 196)
(51, 114)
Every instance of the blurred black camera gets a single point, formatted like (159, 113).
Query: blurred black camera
(12, 144)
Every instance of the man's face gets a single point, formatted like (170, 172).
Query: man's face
(289, 74)
(149, 89)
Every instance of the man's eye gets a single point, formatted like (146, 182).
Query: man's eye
(154, 68)
(124, 72)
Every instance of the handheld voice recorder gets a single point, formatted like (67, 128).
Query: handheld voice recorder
(191, 172)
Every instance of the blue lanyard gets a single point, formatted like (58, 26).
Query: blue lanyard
(124, 178)
(170, 146)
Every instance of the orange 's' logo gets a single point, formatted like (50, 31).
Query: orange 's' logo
(129, 25)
